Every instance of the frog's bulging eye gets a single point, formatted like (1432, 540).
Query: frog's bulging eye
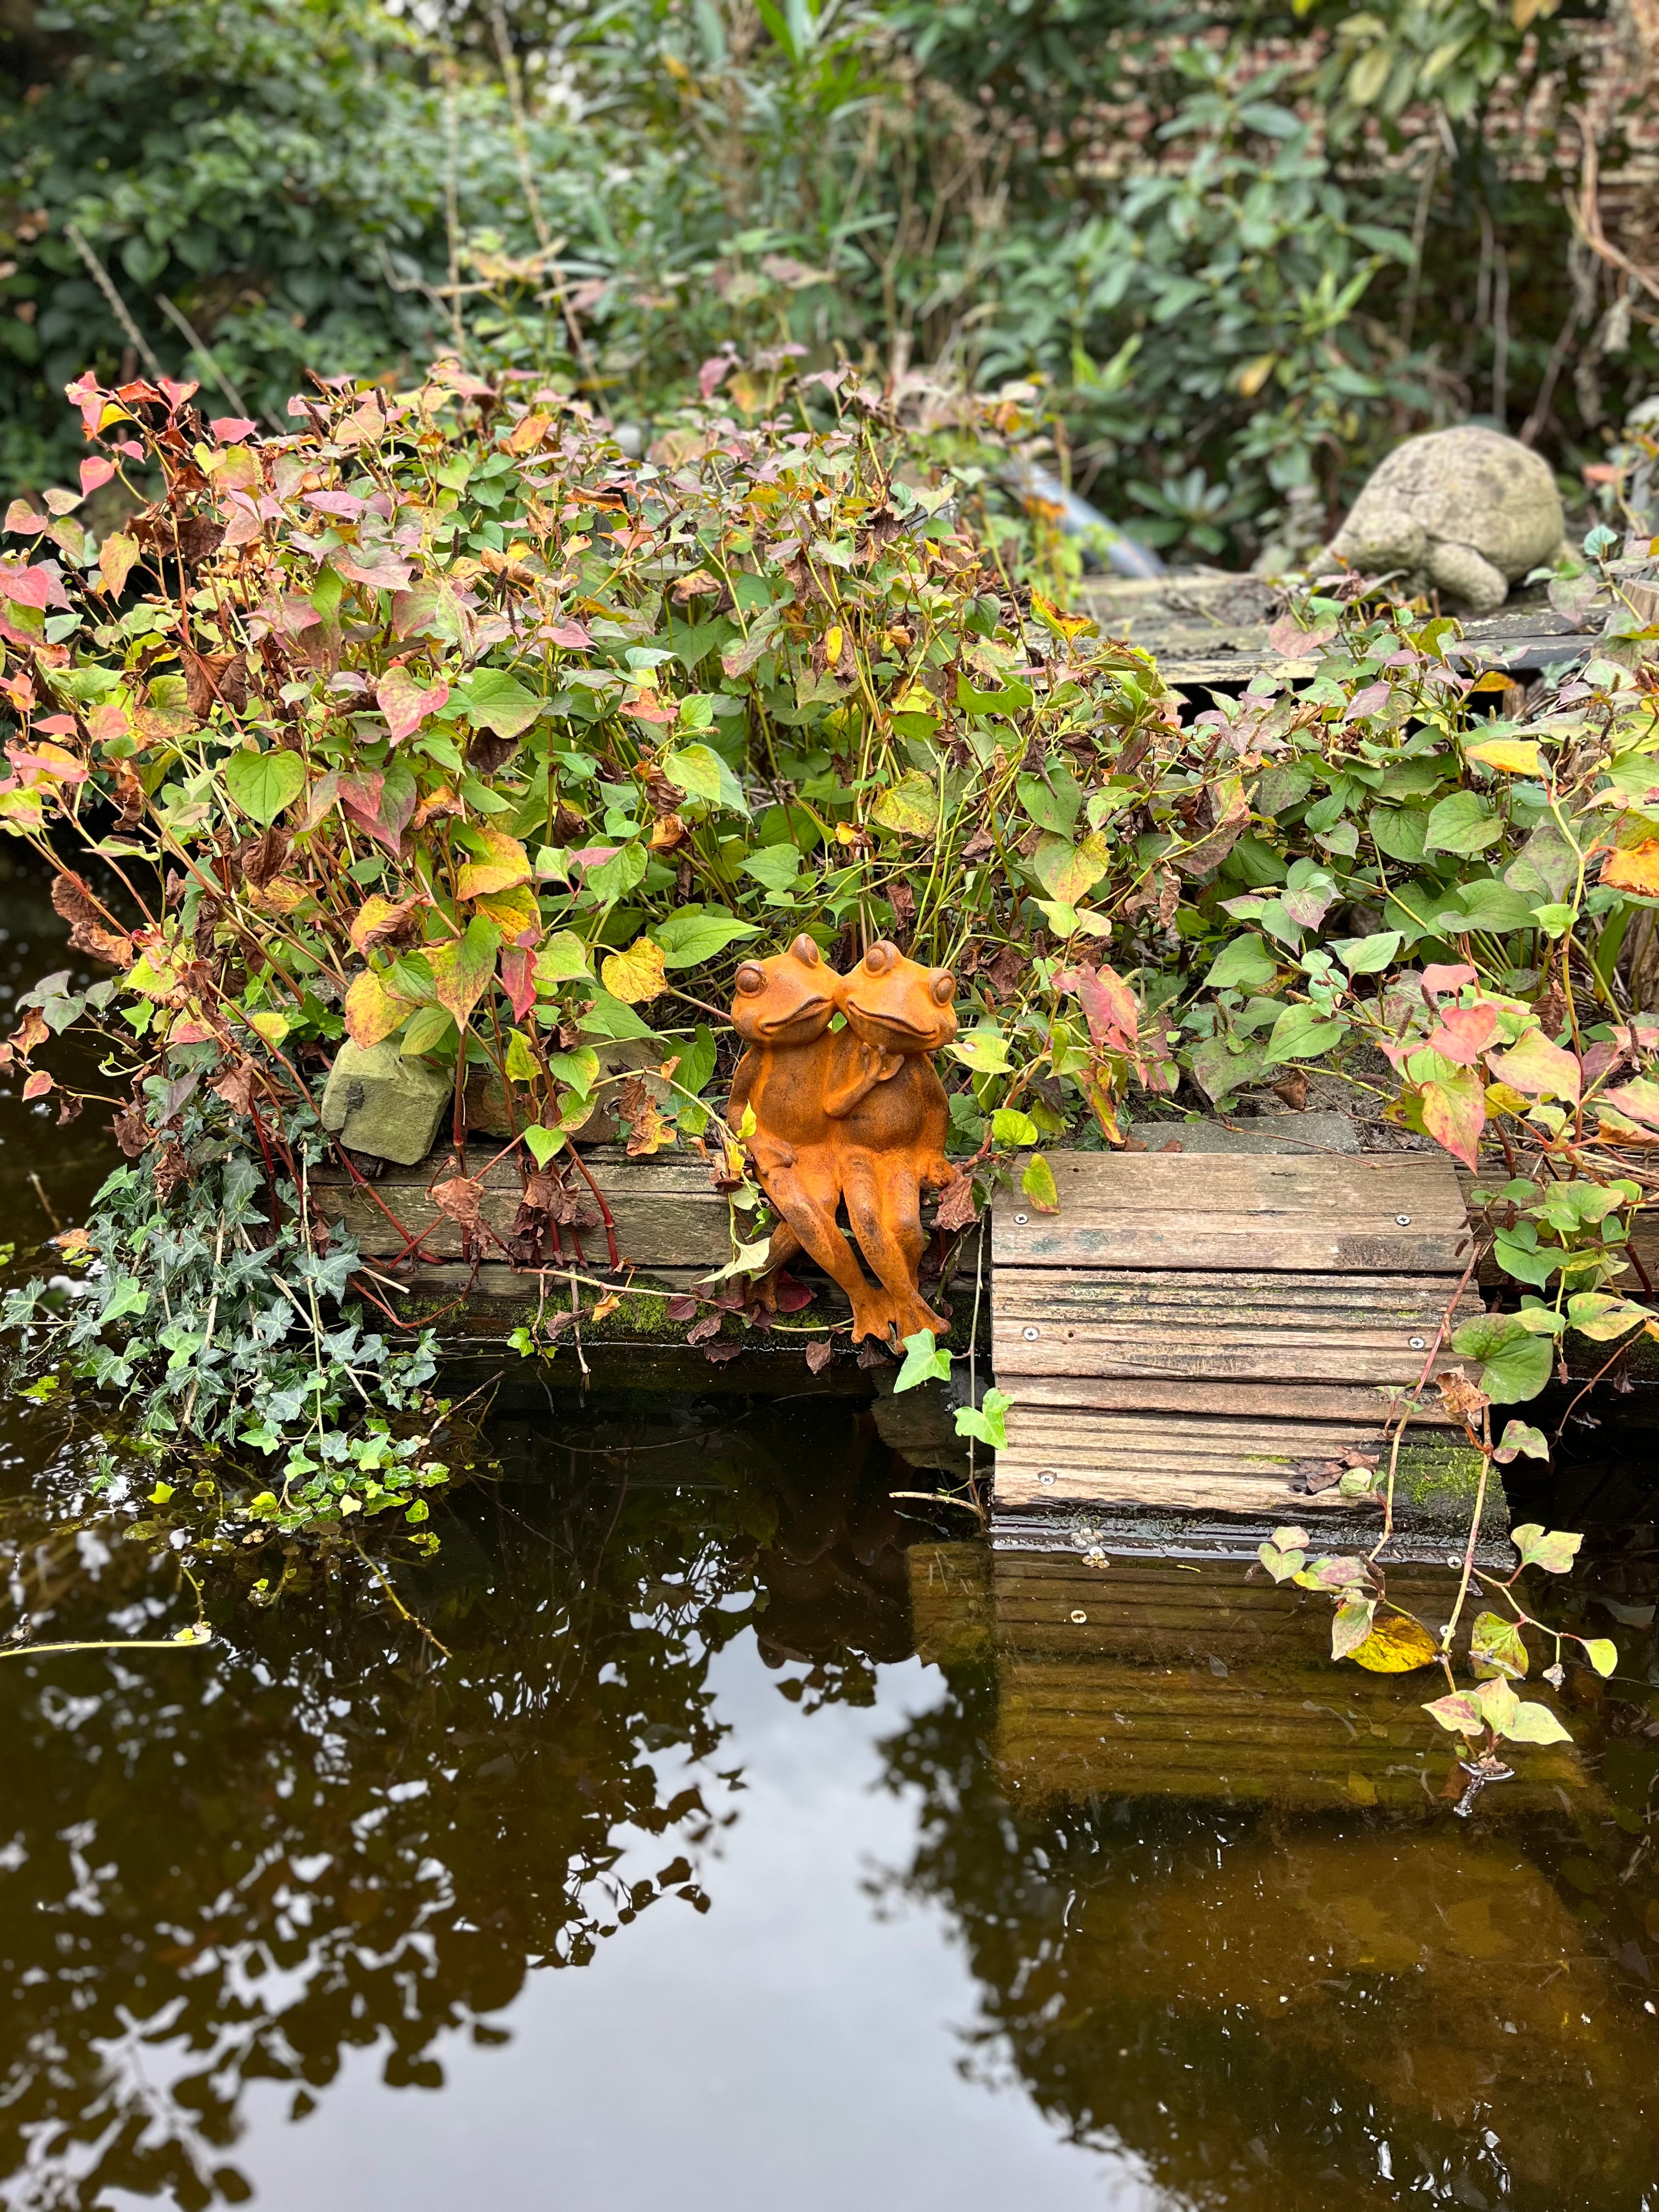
(805, 950)
(751, 978)
(944, 988)
(880, 956)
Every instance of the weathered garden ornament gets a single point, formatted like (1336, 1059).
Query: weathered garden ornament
(855, 1115)
(1468, 512)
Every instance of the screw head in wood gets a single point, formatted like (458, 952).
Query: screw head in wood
(1078, 1618)
(1030, 1335)
(1046, 1478)
(1020, 1220)
(1418, 1343)
(1404, 1219)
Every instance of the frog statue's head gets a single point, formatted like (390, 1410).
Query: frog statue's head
(788, 999)
(897, 1005)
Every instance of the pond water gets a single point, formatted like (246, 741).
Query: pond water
(725, 1831)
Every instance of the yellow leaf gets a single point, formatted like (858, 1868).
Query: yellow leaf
(914, 699)
(1068, 625)
(273, 1028)
(1396, 1645)
(635, 976)
(909, 806)
(832, 641)
(1255, 374)
(116, 557)
(507, 863)
(513, 912)
(371, 1011)
(1493, 680)
(1637, 869)
(1512, 755)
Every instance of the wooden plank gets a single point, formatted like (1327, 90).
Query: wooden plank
(667, 1212)
(1395, 1213)
(1254, 1327)
(1362, 1405)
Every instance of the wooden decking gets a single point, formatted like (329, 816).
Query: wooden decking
(1188, 1330)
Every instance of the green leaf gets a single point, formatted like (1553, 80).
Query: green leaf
(700, 774)
(1246, 964)
(1055, 811)
(774, 866)
(926, 1360)
(1492, 906)
(262, 784)
(1602, 1652)
(609, 1017)
(1282, 1558)
(497, 701)
(1462, 823)
(615, 878)
(1301, 1033)
(1367, 956)
(910, 807)
(1009, 1127)
(543, 1143)
(1553, 1552)
(1496, 1647)
(1399, 832)
(1067, 872)
(988, 1423)
(578, 1071)
(519, 1064)
(1038, 1183)
(1514, 1364)
(749, 1259)
(426, 1030)
(1531, 1723)
(1518, 1438)
(687, 940)
(129, 1296)
(561, 958)
(983, 1048)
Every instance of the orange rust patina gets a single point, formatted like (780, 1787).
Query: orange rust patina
(854, 1116)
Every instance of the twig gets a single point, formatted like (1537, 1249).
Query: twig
(193, 338)
(101, 278)
(414, 1619)
(52, 1211)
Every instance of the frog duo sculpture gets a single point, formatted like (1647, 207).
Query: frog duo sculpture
(854, 1116)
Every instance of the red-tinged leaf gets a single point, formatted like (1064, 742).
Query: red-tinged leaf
(95, 471)
(571, 635)
(463, 970)
(1455, 1114)
(681, 1308)
(176, 394)
(345, 503)
(38, 1084)
(37, 586)
(501, 862)
(22, 521)
(1459, 1714)
(519, 979)
(117, 557)
(819, 1353)
(1108, 1006)
(1462, 1034)
(1540, 1068)
(231, 429)
(1440, 976)
(406, 703)
(381, 921)
(714, 373)
(384, 814)
(1638, 1100)
(791, 1296)
(379, 571)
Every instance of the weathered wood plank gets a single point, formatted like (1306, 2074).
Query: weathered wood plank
(667, 1213)
(1365, 1406)
(1254, 1327)
(1397, 1214)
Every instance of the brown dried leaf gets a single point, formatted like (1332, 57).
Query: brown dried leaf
(461, 1198)
(236, 1085)
(88, 930)
(214, 677)
(1461, 1398)
(819, 1353)
(131, 1130)
(956, 1204)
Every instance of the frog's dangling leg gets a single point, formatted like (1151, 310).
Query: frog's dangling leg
(883, 1203)
(812, 1222)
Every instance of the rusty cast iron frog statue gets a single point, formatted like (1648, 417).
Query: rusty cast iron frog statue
(855, 1115)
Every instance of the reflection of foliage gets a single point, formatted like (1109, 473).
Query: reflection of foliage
(404, 1841)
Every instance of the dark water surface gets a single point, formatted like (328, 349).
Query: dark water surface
(757, 1844)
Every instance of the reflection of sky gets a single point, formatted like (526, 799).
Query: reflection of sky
(792, 2048)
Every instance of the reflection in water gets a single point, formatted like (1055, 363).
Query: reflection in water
(1228, 1946)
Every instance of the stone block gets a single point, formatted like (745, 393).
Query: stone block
(379, 1102)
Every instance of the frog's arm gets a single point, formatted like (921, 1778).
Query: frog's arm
(870, 1068)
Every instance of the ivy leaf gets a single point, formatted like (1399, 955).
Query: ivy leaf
(988, 1423)
(262, 784)
(463, 970)
(1554, 1551)
(926, 1360)
(1515, 1364)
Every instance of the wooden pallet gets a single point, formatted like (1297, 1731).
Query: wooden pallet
(1189, 1329)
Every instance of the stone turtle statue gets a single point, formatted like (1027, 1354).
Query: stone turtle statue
(1467, 512)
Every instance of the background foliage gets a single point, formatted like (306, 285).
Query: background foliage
(1247, 246)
